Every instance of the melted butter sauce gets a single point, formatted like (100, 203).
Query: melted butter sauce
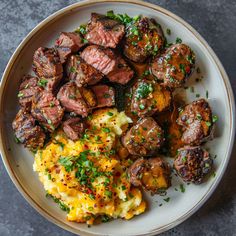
(166, 119)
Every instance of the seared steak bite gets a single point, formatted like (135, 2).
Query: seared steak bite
(110, 64)
(174, 66)
(143, 39)
(47, 110)
(105, 95)
(104, 31)
(196, 120)
(28, 88)
(149, 97)
(26, 131)
(74, 128)
(67, 43)
(47, 66)
(153, 174)
(82, 73)
(77, 100)
(193, 164)
(144, 138)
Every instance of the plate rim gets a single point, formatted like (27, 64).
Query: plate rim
(52, 18)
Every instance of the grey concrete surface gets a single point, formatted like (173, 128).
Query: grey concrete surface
(215, 20)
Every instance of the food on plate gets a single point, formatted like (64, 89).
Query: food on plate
(196, 120)
(174, 66)
(87, 175)
(145, 138)
(104, 31)
(47, 65)
(47, 110)
(67, 43)
(109, 63)
(27, 131)
(153, 174)
(144, 38)
(149, 97)
(82, 73)
(193, 163)
(101, 115)
(29, 86)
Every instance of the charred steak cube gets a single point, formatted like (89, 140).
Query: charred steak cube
(82, 73)
(153, 174)
(149, 97)
(197, 123)
(193, 163)
(144, 38)
(28, 88)
(175, 66)
(47, 110)
(145, 138)
(74, 128)
(110, 64)
(105, 95)
(26, 130)
(47, 66)
(104, 31)
(77, 100)
(67, 43)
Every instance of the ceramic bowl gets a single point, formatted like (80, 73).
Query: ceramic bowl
(161, 215)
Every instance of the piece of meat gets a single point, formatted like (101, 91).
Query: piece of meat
(197, 123)
(82, 73)
(149, 97)
(47, 66)
(74, 99)
(105, 95)
(67, 43)
(109, 63)
(144, 38)
(193, 163)
(145, 138)
(47, 110)
(153, 174)
(74, 128)
(26, 130)
(28, 88)
(174, 66)
(104, 31)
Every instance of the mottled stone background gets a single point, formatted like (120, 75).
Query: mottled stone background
(215, 20)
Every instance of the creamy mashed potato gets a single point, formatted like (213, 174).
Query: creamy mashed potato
(87, 177)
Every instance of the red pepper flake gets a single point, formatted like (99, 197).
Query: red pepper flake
(118, 174)
(187, 69)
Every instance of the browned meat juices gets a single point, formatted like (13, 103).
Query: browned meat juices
(193, 164)
(145, 138)
(104, 31)
(110, 64)
(174, 66)
(196, 120)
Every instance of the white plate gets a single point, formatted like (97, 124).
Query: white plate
(18, 161)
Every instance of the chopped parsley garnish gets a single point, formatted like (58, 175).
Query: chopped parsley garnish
(198, 70)
(182, 68)
(184, 159)
(208, 123)
(215, 118)
(67, 163)
(197, 95)
(123, 187)
(143, 90)
(108, 193)
(168, 31)
(199, 117)
(20, 94)
(110, 113)
(142, 107)
(62, 205)
(42, 82)
(105, 218)
(106, 95)
(106, 130)
(72, 69)
(207, 94)
(178, 40)
(182, 188)
(82, 29)
(166, 199)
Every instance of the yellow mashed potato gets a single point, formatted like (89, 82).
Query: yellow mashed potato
(87, 177)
